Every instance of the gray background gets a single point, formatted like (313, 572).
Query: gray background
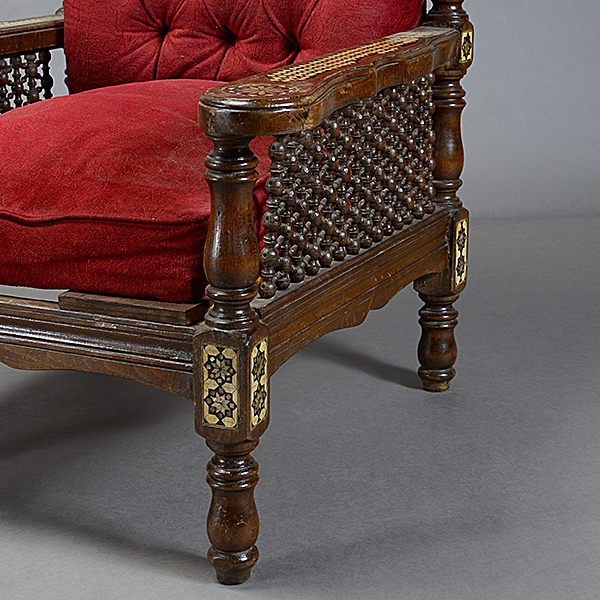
(370, 487)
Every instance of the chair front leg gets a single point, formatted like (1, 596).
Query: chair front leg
(232, 518)
(232, 412)
(231, 357)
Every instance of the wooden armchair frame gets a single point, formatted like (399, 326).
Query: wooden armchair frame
(223, 359)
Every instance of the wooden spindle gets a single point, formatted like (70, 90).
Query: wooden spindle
(232, 523)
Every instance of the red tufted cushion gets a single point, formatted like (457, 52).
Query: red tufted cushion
(118, 41)
(104, 191)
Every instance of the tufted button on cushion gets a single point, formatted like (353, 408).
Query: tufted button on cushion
(110, 42)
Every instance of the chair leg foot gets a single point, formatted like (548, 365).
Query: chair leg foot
(437, 348)
(232, 568)
(232, 523)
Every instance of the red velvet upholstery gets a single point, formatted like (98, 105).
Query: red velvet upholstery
(115, 41)
(103, 191)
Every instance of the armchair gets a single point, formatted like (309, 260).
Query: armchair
(331, 184)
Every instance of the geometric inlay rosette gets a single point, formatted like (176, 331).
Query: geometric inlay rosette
(460, 253)
(259, 405)
(257, 90)
(220, 396)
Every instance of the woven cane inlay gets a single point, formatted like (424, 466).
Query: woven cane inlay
(220, 386)
(259, 407)
(364, 173)
(317, 66)
(27, 21)
(260, 90)
(460, 271)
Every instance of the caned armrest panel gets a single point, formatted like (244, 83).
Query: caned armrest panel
(31, 34)
(301, 96)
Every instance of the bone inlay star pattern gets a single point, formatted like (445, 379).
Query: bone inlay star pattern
(260, 395)
(220, 386)
(466, 45)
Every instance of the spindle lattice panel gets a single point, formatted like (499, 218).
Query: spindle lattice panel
(364, 173)
(24, 79)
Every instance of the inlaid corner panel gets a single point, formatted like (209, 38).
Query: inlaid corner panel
(259, 407)
(220, 394)
(461, 244)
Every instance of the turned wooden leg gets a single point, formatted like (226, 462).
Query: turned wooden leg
(437, 348)
(231, 379)
(232, 518)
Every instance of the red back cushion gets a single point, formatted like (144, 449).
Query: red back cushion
(110, 42)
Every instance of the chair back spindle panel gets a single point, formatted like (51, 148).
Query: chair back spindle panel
(25, 79)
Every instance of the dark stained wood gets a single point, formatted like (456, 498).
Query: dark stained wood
(25, 59)
(449, 153)
(348, 184)
(176, 313)
(29, 35)
(448, 96)
(343, 295)
(224, 400)
(447, 13)
(262, 105)
(231, 250)
(39, 335)
(437, 348)
(224, 358)
(232, 523)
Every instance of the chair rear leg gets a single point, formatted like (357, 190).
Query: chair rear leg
(437, 350)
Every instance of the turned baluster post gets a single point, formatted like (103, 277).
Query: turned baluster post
(231, 360)
(437, 348)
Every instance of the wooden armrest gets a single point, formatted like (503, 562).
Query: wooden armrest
(301, 96)
(30, 35)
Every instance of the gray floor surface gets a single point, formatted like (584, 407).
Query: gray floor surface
(371, 488)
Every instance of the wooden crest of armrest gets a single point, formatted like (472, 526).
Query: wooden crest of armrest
(300, 96)
(31, 34)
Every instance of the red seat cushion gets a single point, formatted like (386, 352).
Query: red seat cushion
(115, 41)
(104, 191)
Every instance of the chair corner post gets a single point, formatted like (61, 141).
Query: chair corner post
(231, 377)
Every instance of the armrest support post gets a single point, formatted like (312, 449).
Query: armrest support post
(448, 96)
(232, 381)
(231, 253)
